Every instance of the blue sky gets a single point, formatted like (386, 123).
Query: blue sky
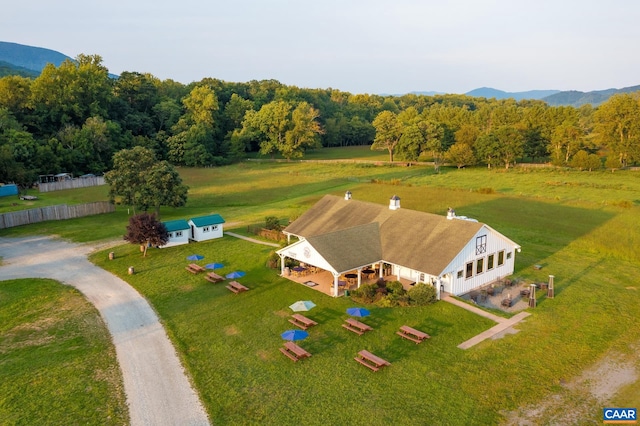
(359, 46)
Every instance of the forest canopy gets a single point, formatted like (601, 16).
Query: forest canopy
(75, 117)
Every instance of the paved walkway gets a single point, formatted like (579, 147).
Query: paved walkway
(157, 389)
(503, 323)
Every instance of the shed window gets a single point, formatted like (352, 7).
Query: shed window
(469, 270)
(206, 229)
(460, 274)
(178, 234)
(214, 228)
(501, 258)
(509, 255)
(170, 234)
(481, 244)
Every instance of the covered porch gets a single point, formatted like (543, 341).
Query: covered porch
(323, 281)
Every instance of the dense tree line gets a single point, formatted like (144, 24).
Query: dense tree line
(74, 118)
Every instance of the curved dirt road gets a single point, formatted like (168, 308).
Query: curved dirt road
(157, 389)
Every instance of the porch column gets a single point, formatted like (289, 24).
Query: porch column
(334, 290)
(359, 277)
(282, 262)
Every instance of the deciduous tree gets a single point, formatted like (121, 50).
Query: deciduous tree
(146, 230)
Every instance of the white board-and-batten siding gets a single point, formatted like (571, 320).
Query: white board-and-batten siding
(304, 252)
(495, 243)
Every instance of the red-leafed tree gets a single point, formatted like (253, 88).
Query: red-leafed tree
(146, 230)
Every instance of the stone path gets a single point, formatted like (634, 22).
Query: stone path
(503, 323)
(157, 388)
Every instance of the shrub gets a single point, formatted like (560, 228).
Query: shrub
(273, 261)
(366, 292)
(272, 223)
(396, 288)
(422, 294)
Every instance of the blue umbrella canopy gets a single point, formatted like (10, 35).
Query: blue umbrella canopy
(235, 274)
(294, 335)
(195, 257)
(214, 265)
(302, 305)
(358, 312)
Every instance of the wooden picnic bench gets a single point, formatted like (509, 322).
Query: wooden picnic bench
(412, 334)
(356, 326)
(302, 321)
(294, 352)
(213, 277)
(194, 269)
(370, 360)
(236, 287)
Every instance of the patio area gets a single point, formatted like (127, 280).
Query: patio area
(322, 280)
(493, 295)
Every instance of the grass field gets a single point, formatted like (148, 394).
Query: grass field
(584, 228)
(57, 362)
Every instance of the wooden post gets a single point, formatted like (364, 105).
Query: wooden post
(111, 255)
(550, 289)
(532, 296)
(131, 270)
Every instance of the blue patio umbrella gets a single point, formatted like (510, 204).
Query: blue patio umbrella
(195, 257)
(302, 305)
(294, 335)
(214, 265)
(358, 312)
(235, 274)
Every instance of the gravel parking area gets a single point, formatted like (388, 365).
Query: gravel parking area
(157, 388)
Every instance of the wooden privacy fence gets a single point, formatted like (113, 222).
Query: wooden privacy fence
(59, 212)
(71, 184)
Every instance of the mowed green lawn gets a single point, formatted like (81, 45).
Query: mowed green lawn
(585, 233)
(57, 362)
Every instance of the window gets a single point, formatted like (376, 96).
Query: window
(178, 234)
(469, 270)
(501, 258)
(459, 274)
(206, 229)
(214, 228)
(170, 234)
(509, 255)
(490, 259)
(481, 244)
(480, 266)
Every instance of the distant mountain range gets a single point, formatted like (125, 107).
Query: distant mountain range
(28, 61)
(488, 92)
(573, 98)
(29, 58)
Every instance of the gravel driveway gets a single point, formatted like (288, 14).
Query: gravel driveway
(157, 389)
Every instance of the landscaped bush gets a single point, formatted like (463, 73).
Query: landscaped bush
(273, 261)
(422, 294)
(366, 293)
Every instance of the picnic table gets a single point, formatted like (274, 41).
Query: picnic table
(236, 287)
(294, 352)
(194, 269)
(356, 326)
(213, 277)
(302, 321)
(412, 334)
(370, 360)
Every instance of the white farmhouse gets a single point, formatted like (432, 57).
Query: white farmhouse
(453, 253)
(206, 227)
(178, 232)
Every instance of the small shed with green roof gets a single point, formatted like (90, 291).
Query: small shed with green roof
(178, 232)
(206, 227)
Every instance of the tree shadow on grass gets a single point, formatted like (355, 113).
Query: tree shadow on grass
(542, 229)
